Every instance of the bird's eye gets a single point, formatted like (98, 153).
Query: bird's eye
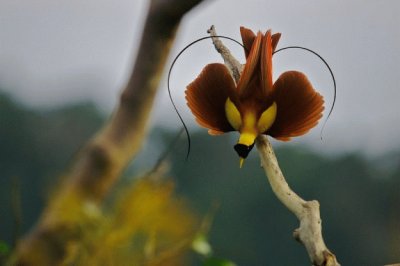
(243, 150)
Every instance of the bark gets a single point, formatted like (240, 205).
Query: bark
(233, 65)
(307, 212)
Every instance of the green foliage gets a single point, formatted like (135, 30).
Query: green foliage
(146, 225)
(201, 245)
(4, 250)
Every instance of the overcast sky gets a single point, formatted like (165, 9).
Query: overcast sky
(54, 52)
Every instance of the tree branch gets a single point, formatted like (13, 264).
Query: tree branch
(307, 212)
(120, 140)
(234, 66)
(106, 155)
(310, 231)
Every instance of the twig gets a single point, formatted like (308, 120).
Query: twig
(310, 231)
(102, 160)
(233, 65)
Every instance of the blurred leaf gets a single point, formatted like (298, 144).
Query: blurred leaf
(201, 246)
(4, 248)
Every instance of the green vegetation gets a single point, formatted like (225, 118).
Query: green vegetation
(359, 198)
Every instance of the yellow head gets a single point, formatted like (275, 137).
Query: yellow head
(250, 125)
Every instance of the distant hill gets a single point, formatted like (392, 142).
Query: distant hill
(359, 197)
(35, 147)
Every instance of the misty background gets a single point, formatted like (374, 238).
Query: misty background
(52, 53)
(63, 65)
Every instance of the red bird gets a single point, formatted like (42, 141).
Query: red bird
(286, 108)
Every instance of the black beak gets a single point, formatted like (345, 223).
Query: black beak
(243, 150)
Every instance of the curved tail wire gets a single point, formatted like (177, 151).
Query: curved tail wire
(169, 77)
(330, 71)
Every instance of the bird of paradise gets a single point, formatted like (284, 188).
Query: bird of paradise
(286, 108)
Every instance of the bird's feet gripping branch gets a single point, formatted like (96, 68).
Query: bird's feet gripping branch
(286, 108)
